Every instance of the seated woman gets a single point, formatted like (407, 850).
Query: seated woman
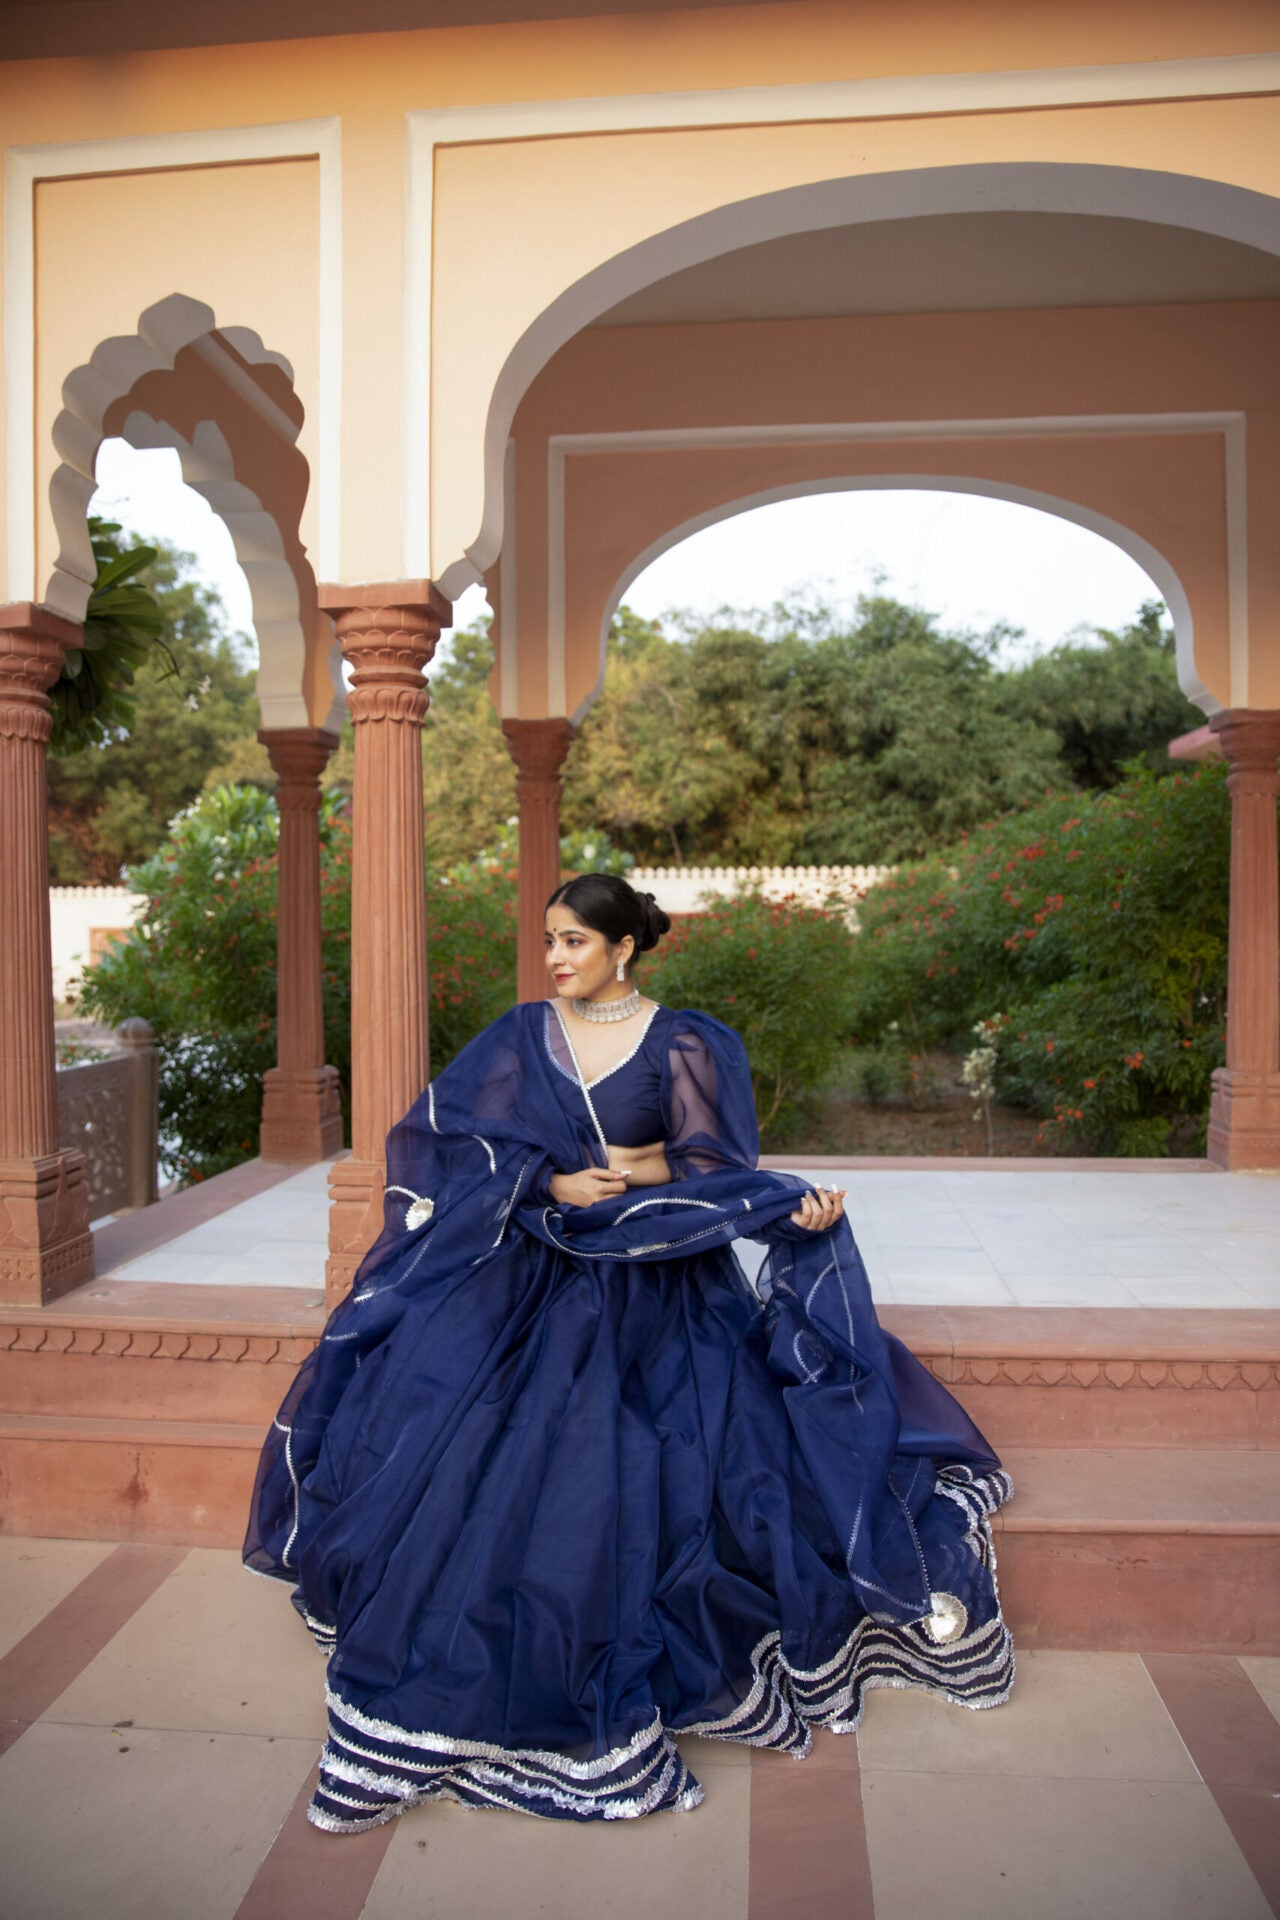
(558, 1485)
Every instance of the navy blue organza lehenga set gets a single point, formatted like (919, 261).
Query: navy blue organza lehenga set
(559, 1485)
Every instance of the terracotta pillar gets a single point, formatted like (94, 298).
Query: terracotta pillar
(387, 634)
(301, 1108)
(1244, 1119)
(45, 1244)
(538, 748)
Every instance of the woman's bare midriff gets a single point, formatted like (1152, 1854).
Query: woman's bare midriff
(647, 1166)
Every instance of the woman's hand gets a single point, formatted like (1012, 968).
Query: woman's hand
(820, 1209)
(585, 1188)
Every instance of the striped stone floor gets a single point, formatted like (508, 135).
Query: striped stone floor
(161, 1714)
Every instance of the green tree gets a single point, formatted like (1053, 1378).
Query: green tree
(123, 626)
(1110, 700)
(804, 738)
(194, 699)
(921, 746)
(468, 777)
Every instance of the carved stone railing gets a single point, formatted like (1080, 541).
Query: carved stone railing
(108, 1110)
(688, 889)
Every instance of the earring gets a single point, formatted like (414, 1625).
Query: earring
(622, 971)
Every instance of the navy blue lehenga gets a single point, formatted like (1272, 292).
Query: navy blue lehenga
(559, 1485)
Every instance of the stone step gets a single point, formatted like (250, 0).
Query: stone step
(1030, 1377)
(75, 1477)
(216, 1357)
(1112, 1377)
(1171, 1549)
(1175, 1549)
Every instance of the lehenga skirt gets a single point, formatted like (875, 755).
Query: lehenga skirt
(567, 1510)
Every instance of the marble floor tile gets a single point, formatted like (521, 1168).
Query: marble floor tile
(445, 1863)
(1070, 1716)
(988, 1291)
(35, 1575)
(214, 1649)
(1265, 1675)
(969, 1848)
(1064, 1290)
(139, 1824)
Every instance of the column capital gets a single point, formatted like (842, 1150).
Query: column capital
(33, 644)
(298, 756)
(538, 747)
(1250, 739)
(387, 634)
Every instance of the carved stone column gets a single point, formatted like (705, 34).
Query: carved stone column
(538, 748)
(1244, 1119)
(301, 1108)
(387, 634)
(45, 1244)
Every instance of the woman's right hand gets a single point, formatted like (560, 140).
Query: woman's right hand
(585, 1188)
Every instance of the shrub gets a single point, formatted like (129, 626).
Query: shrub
(778, 972)
(1098, 924)
(200, 964)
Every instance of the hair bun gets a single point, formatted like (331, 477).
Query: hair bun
(655, 922)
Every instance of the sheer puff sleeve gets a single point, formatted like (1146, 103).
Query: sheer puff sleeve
(707, 1099)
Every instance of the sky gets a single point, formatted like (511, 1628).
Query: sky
(971, 561)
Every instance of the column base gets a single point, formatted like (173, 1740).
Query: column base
(1244, 1121)
(301, 1115)
(46, 1247)
(355, 1221)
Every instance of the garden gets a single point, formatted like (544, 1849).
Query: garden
(1053, 982)
(1043, 971)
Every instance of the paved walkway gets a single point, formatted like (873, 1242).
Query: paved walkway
(959, 1236)
(162, 1714)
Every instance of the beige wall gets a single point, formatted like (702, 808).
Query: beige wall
(581, 204)
(1150, 409)
(242, 239)
(548, 169)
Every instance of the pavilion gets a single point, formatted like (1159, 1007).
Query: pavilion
(526, 293)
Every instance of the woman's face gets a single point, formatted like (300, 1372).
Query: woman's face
(581, 962)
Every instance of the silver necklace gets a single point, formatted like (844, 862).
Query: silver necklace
(608, 1009)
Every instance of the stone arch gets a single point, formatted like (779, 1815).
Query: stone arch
(1167, 199)
(227, 405)
(1140, 550)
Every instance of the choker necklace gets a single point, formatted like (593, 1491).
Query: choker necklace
(608, 1009)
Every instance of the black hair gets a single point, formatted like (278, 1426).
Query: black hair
(605, 903)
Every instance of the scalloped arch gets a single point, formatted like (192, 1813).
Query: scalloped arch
(226, 403)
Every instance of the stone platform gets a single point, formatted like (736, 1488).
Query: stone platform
(1143, 1440)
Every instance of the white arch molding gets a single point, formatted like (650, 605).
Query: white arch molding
(1164, 199)
(116, 365)
(1139, 550)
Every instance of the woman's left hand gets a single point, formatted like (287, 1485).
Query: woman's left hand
(820, 1209)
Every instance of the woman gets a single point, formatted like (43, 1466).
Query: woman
(558, 1484)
